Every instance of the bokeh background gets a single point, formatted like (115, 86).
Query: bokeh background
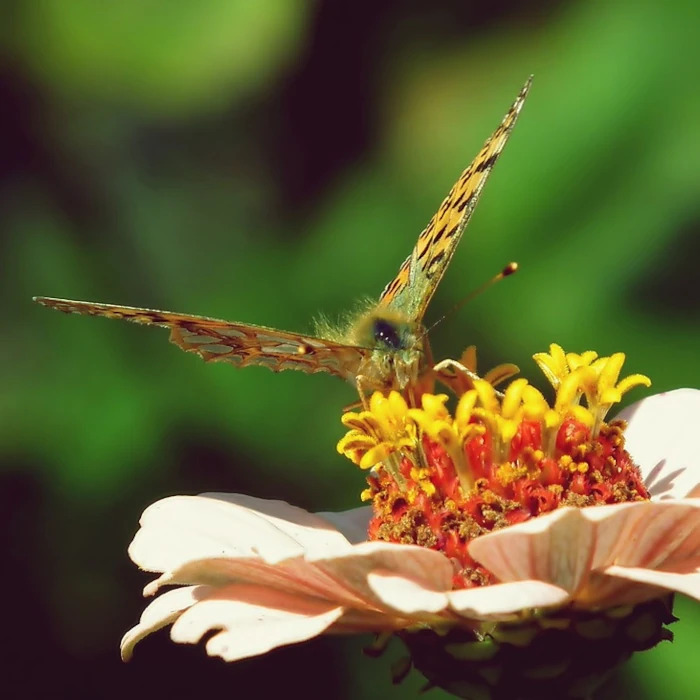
(264, 161)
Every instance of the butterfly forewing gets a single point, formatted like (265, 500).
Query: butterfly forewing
(413, 288)
(240, 344)
(396, 354)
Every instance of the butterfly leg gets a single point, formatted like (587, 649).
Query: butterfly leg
(363, 385)
(459, 379)
(455, 376)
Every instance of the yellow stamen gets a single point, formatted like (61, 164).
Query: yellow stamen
(500, 374)
(513, 399)
(389, 432)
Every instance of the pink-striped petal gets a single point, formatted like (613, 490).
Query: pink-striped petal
(296, 575)
(316, 534)
(353, 524)
(161, 612)
(661, 436)
(564, 547)
(556, 548)
(251, 620)
(178, 529)
(685, 583)
(506, 599)
(428, 568)
(405, 595)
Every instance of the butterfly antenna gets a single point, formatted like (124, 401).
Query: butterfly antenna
(507, 271)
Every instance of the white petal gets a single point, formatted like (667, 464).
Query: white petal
(506, 598)
(351, 523)
(316, 534)
(428, 568)
(161, 612)
(252, 620)
(556, 548)
(405, 595)
(179, 529)
(662, 439)
(568, 546)
(297, 576)
(686, 583)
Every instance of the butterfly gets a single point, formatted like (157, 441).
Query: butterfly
(384, 345)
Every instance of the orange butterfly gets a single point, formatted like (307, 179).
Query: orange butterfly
(384, 347)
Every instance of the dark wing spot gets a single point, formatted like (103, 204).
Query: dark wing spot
(464, 203)
(488, 163)
(439, 234)
(435, 263)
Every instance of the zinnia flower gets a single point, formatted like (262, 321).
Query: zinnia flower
(519, 549)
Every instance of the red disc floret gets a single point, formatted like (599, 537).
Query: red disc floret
(432, 507)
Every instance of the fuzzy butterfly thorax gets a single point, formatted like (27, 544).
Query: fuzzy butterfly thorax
(385, 347)
(396, 348)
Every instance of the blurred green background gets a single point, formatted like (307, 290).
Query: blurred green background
(264, 161)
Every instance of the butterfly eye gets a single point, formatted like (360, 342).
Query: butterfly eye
(386, 334)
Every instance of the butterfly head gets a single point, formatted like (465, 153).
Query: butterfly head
(395, 346)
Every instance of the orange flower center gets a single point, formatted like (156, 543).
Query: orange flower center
(441, 515)
(439, 482)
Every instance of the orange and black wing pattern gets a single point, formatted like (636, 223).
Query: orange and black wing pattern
(412, 289)
(239, 344)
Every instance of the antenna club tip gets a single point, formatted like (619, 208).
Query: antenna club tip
(510, 269)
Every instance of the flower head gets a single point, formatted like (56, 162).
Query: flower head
(442, 481)
(514, 544)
